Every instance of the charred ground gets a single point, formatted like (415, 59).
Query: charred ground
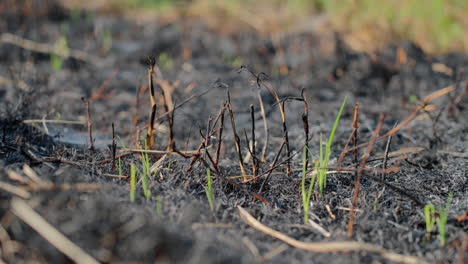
(176, 223)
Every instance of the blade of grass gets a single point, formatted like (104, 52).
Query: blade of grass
(209, 189)
(132, 182)
(329, 143)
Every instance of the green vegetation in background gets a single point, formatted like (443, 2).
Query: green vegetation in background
(436, 25)
(156, 4)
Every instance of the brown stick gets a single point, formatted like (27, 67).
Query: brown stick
(305, 122)
(168, 105)
(265, 126)
(280, 103)
(387, 148)
(357, 182)
(355, 131)
(236, 138)
(90, 124)
(21, 209)
(220, 132)
(149, 136)
(114, 147)
(326, 247)
(253, 150)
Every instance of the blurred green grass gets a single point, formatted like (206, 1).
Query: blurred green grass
(436, 25)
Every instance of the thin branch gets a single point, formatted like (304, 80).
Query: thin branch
(21, 209)
(327, 247)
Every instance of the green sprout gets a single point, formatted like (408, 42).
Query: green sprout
(145, 174)
(61, 51)
(132, 182)
(437, 216)
(324, 157)
(209, 189)
(159, 206)
(306, 195)
(429, 216)
(442, 221)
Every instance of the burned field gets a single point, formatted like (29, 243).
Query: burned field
(153, 142)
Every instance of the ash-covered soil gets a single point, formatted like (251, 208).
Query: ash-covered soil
(175, 224)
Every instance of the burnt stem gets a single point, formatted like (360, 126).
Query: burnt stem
(261, 82)
(355, 131)
(363, 162)
(387, 148)
(305, 122)
(149, 136)
(252, 146)
(265, 126)
(286, 138)
(114, 147)
(220, 132)
(89, 123)
(352, 137)
(236, 138)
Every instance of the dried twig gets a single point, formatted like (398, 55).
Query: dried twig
(168, 104)
(357, 183)
(261, 82)
(21, 209)
(352, 137)
(113, 147)
(220, 132)
(90, 124)
(305, 122)
(15, 190)
(150, 136)
(252, 146)
(236, 138)
(327, 247)
(387, 148)
(265, 126)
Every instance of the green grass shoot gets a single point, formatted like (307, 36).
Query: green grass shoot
(159, 206)
(429, 216)
(306, 195)
(209, 189)
(145, 174)
(324, 157)
(132, 182)
(442, 221)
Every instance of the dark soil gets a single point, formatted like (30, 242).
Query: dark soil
(175, 225)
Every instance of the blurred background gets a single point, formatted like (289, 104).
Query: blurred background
(437, 26)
